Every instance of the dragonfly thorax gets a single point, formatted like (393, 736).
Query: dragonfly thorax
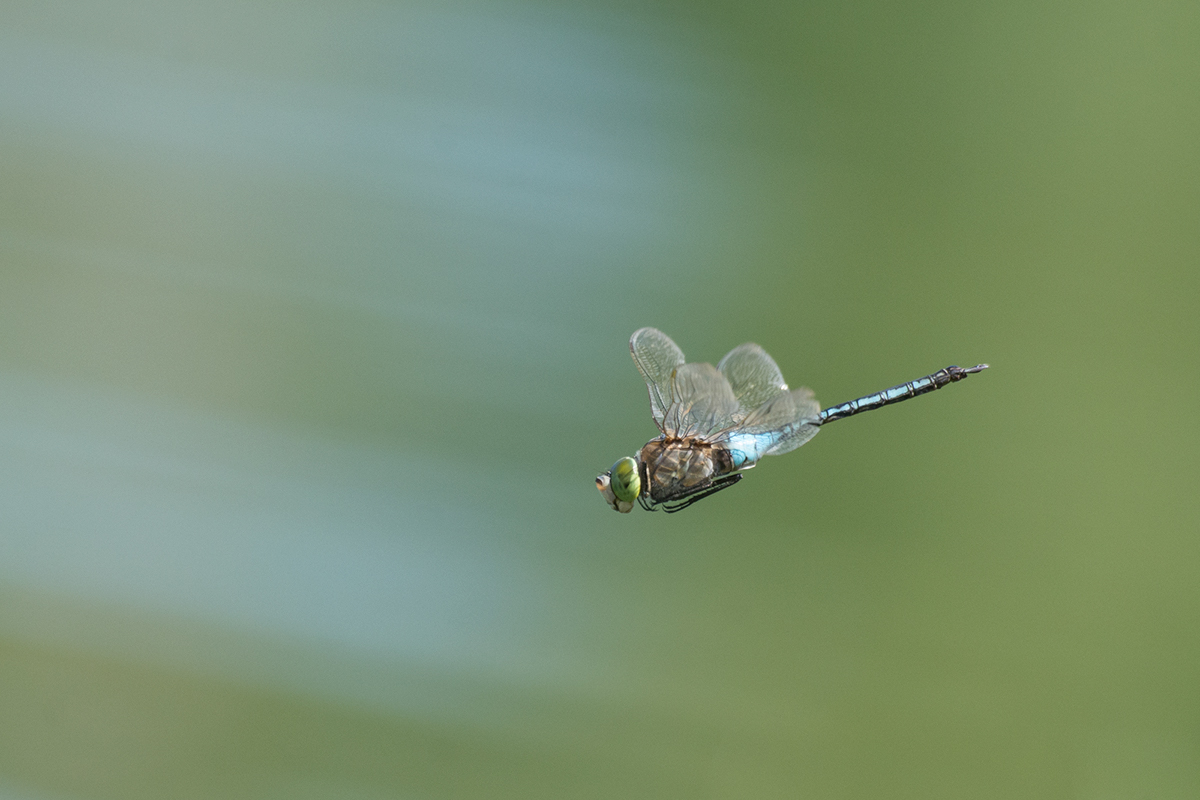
(675, 468)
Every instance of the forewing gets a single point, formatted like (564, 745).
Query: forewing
(657, 358)
(701, 402)
(753, 375)
(792, 417)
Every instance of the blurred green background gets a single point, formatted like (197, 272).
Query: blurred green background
(313, 336)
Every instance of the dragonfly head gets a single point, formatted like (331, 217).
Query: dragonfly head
(620, 485)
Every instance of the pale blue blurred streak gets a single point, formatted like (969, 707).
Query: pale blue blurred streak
(502, 157)
(531, 167)
(116, 497)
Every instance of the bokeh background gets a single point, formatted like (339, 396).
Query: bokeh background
(313, 336)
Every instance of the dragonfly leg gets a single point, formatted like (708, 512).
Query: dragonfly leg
(714, 487)
(644, 495)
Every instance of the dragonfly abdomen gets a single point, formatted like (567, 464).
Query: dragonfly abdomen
(747, 449)
(896, 394)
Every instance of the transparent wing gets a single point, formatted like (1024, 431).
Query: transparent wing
(781, 424)
(657, 358)
(753, 375)
(701, 402)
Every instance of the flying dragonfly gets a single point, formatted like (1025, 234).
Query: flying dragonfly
(717, 422)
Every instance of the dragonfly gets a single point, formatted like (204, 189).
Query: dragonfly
(717, 422)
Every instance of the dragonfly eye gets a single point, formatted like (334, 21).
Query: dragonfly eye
(625, 481)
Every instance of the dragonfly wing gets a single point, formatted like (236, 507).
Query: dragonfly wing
(657, 358)
(783, 423)
(701, 402)
(753, 375)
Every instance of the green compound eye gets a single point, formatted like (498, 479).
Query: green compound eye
(626, 483)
